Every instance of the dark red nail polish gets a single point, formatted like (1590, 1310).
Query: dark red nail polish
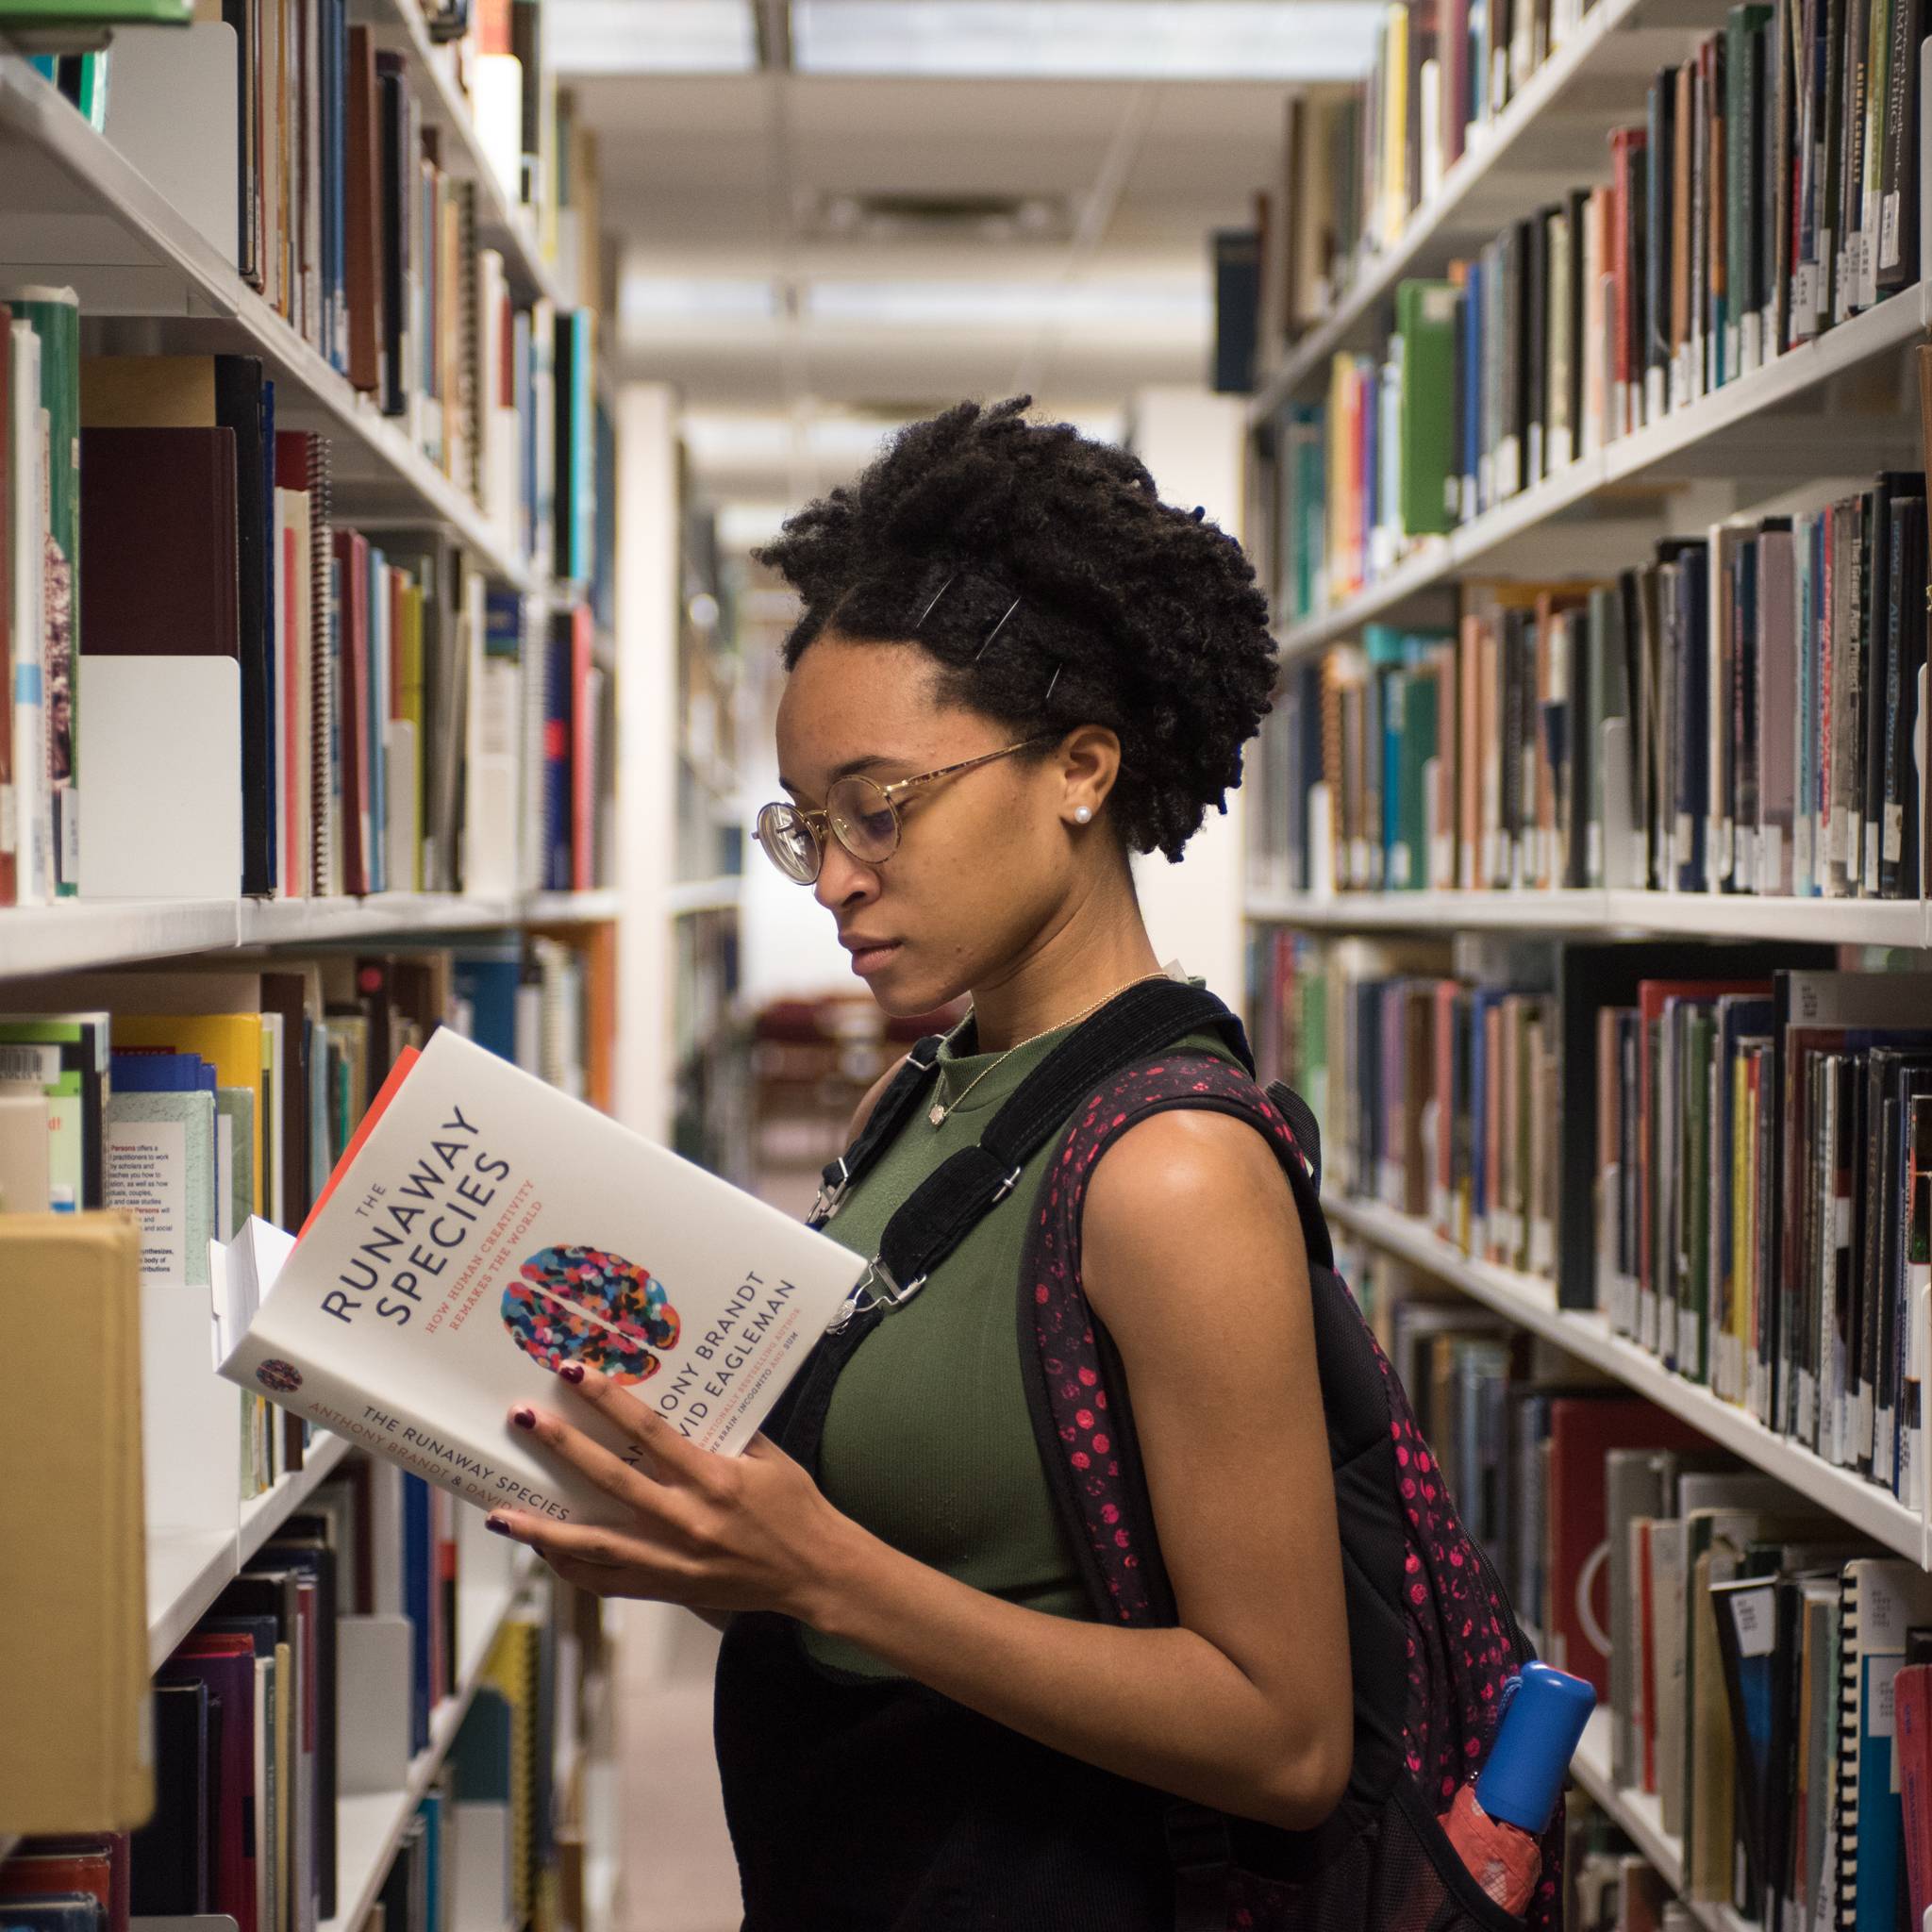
(523, 1418)
(572, 1372)
(490, 1523)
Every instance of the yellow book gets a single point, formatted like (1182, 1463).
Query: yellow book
(74, 1672)
(232, 1043)
(512, 1669)
(1395, 127)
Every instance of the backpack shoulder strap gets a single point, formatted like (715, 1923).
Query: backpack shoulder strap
(950, 1201)
(888, 1114)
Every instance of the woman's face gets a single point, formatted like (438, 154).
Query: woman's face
(984, 859)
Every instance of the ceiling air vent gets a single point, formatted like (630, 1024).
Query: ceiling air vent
(889, 218)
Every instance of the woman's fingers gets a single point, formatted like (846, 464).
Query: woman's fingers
(670, 1458)
(609, 1472)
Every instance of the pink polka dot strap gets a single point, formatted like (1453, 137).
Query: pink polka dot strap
(1431, 1636)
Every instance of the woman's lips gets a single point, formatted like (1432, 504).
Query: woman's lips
(867, 959)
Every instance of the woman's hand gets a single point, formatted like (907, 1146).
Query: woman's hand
(709, 1532)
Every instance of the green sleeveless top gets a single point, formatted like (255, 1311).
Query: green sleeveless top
(928, 1441)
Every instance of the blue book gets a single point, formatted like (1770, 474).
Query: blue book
(480, 1757)
(419, 1591)
(487, 979)
(161, 1073)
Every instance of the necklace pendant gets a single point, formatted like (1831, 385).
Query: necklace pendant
(935, 1113)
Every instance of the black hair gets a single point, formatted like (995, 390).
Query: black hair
(1130, 613)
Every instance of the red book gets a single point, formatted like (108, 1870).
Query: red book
(1583, 1430)
(351, 701)
(1911, 1691)
(95, 1865)
(225, 1661)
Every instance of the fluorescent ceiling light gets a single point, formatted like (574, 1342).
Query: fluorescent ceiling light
(1096, 40)
(1173, 305)
(656, 302)
(748, 526)
(718, 441)
(651, 36)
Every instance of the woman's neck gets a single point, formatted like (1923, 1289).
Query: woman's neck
(1078, 965)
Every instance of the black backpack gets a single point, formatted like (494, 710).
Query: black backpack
(1431, 1634)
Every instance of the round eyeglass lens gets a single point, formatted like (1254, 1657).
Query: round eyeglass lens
(863, 818)
(789, 843)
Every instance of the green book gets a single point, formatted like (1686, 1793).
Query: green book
(66, 1057)
(1425, 321)
(26, 15)
(53, 314)
(1415, 749)
(235, 1164)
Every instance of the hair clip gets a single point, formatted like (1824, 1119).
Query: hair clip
(995, 630)
(1200, 513)
(1050, 683)
(919, 620)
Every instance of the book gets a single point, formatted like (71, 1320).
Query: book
(483, 1231)
(73, 1685)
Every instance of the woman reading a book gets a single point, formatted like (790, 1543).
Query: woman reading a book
(1015, 667)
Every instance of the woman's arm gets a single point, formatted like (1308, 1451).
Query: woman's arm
(1192, 1255)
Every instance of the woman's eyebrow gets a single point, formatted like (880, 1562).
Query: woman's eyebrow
(844, 771)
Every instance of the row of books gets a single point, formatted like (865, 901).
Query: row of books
(390, 732)
(1758, 1136)
(1738, 715)
(195, 1096)
(1742, 1643)
(1708, 253)
(1358, 163)
(312, 1679)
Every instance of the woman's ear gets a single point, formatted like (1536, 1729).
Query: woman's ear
(1090, 760)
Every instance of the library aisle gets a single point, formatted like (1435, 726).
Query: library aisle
(396, 402)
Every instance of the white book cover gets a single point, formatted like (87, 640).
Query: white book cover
(487, 1231)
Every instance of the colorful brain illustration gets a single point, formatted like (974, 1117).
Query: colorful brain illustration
(582, 1304)
(283, 1377)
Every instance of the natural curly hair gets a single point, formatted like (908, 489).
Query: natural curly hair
(1129, 613)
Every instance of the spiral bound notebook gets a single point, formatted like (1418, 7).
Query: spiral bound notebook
(482, 1232)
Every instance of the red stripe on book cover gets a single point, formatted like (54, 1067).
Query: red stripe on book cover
(397, 1073)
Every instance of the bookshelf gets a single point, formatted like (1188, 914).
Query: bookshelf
(371, 1825)
(1724, 431)
(1532, 1304)
(1606, 914)
(75, 211)
(1778, 438)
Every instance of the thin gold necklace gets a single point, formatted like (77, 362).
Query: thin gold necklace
(939, 1111)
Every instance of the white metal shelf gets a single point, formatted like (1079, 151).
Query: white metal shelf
(1706, 915)
(369, 1826)
(1636, 1813)
(76, 211)
(718, 894)
(75, 934)
(1532, 1303)
(399, 25)
(1594, 80)
(187, 1571)
(1694, 436)
(594, 908)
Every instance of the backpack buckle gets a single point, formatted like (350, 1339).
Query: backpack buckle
(875, 1290)
(831, 1191)
(1004, 1188)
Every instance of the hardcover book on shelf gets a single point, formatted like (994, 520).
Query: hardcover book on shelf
(483, 1232)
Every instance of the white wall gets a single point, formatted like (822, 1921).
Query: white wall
(1193, 441)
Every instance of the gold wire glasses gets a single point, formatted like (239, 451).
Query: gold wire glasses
(862, 814)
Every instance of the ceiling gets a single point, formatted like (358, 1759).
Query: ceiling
(794, 339)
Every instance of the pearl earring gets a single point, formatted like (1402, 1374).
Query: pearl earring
(1083, 813)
